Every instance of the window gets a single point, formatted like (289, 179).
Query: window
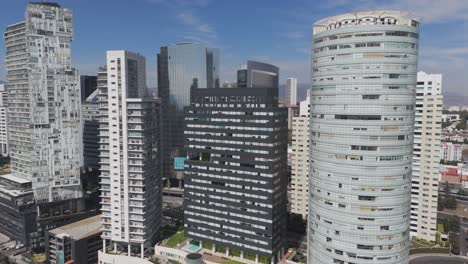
(370, 96)
(367, 247)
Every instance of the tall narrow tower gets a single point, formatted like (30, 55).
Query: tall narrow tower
(44, 102)
(426, 158)
(362, 122)
(181, 67)
(291, 91)
(129, 159)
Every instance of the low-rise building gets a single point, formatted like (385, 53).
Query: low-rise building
(78, 242)
(450, 117)
(450, 151)
(454, 135)
(17, 207)
(55, 214)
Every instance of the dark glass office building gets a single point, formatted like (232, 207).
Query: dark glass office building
(90, 120)
(88, 84)
(18, 208)
(257, 74)
(181, 67)
(235, 174)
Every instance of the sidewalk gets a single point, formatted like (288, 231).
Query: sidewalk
(435, 255)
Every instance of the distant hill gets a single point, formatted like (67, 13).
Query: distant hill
(455, 99)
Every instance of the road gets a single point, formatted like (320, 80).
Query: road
(439, 260)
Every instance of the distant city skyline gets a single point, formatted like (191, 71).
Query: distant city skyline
(280, 34)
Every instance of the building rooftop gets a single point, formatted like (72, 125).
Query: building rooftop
(81, 229)
(14, 178)
(450, 172)
(366, 18)
(45, 3)
(14, 186)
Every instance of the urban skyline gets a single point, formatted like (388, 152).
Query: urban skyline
(283, 41)
(370, 167)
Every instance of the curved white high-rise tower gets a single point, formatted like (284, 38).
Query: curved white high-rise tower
(362, 122)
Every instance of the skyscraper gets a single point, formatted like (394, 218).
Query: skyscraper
(362, 121)
(299, 186)
(426, 156)
(291, 91)
(90, 121)
(181, 67)
(236, 176)
(258, 75)
(3, 121)
(291, 99)
(44, 102)
(131, 194)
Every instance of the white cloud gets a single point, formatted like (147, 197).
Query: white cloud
(198, 30)
(181, 3)
(430, 11)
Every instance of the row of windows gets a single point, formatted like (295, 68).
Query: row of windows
(367, 34)
(363, 77)
(369, 55)
(366, 45)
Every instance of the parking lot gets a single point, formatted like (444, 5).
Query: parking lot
(9, 247)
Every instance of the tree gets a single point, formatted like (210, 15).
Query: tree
(453, 224)
(450, 203)
(449, 162)
(440, 204)
(447, 187)
(454, 244)
(461, 124)
(296, 223)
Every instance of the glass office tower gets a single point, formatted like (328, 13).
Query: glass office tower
(181, 67)
(362, 122)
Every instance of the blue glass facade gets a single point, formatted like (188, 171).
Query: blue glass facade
(181, 67)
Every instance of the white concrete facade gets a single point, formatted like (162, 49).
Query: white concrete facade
(299, 186)
(44, 102)
(364, 67)
(291, 91)
(109, 258)
(426, 156)
(129, 159)
(3, 121)
(450, 151)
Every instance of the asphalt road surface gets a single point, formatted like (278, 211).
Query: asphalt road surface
(439, 260)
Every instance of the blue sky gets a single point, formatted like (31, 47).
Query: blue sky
(275, 31)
